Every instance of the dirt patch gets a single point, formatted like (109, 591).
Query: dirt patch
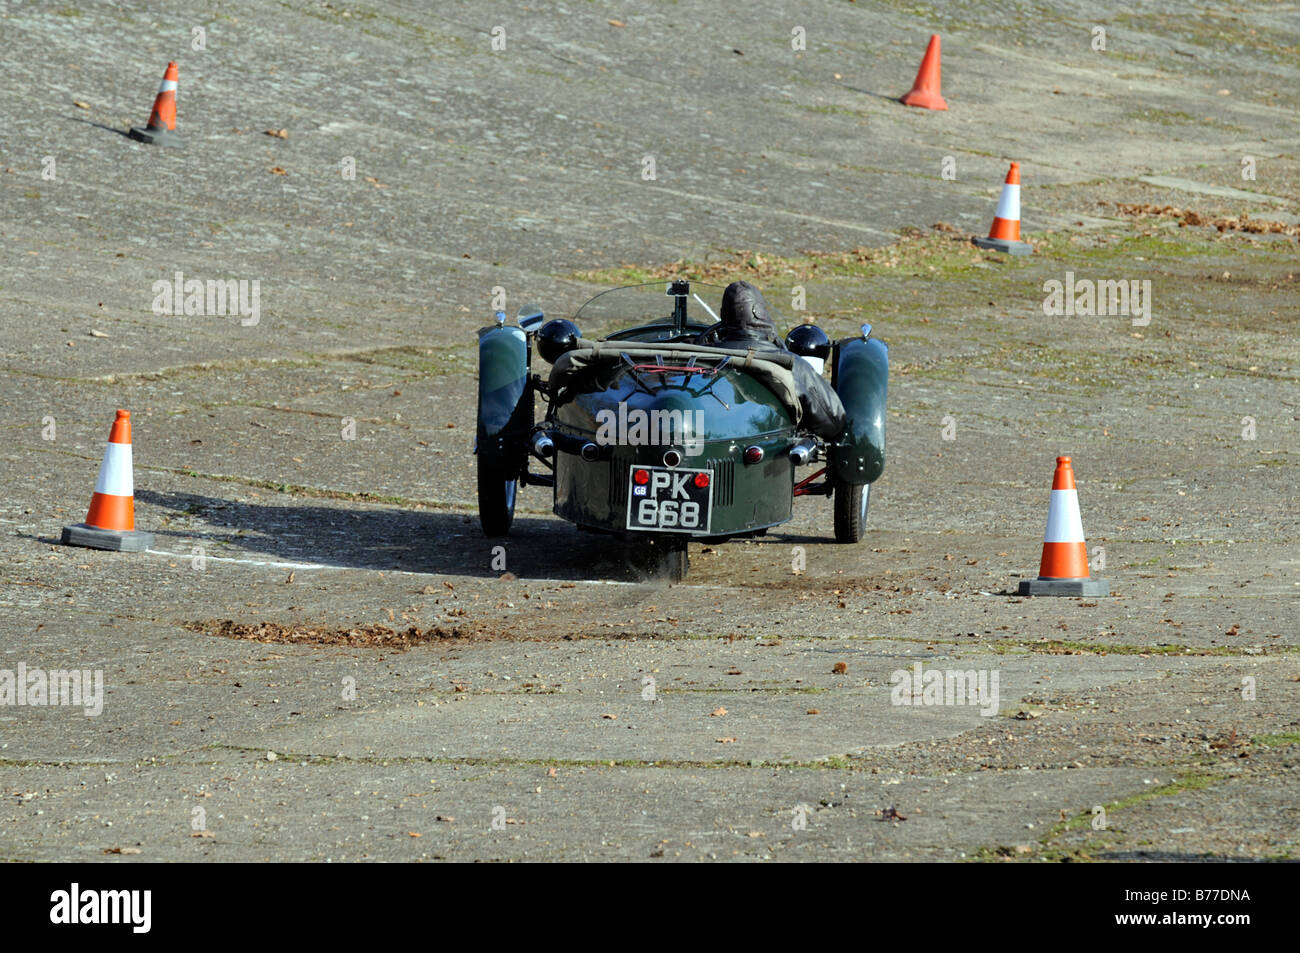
(363, 636)
(945, 248)
(1188, 218)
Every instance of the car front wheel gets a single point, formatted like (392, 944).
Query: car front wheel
(851, 502)
(496, 496)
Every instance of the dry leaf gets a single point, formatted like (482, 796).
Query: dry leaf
(203, 834)
(814, 711)
(718, 712)
(278, 133)
(616, 23)
(611, 717)
(724, 741)
(414, 834)
(276, 170)
(841, 668)
(80, 105)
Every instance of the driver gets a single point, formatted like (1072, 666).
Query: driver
(745, 323)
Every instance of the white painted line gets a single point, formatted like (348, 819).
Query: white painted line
(276, 564)
(270, 563)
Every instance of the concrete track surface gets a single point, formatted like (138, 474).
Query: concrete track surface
(306, 467)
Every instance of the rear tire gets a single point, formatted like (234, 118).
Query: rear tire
(851, 503)
(676, 562)
(496, 497)
(664, 559)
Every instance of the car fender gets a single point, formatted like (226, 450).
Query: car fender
(861, 377)
(505, 399)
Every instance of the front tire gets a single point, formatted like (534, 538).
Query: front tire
(851, 503)
(496, 496)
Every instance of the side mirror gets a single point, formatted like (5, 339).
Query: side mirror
(530, 317)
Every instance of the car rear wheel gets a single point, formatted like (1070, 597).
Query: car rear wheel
(676, 561)
(496, 496)
(665, 559)
(851, 503)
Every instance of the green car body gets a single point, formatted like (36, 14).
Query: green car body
(701, 410)
(738, 412)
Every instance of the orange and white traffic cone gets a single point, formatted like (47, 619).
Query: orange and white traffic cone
(161, 130)
(925, 91)
(1064, 567)
(110, 524)
(1004, 236)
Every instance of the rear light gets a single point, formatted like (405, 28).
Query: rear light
(753, 454)
(641, 477)
(701, 480)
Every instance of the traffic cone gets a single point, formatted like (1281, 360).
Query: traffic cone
(1064, 567)
(925, 91)
(161, 130)
(110, 524)
(1005, 234)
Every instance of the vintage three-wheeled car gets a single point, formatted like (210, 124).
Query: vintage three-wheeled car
(688, 423)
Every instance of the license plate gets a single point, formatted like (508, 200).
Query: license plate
(670, 500)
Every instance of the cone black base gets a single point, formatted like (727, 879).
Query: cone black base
(157, 137)
(1064, 587)
(119, 541)
(1002, 245)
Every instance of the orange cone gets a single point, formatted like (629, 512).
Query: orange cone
(1004, 236)
(161, 130)
(110, 523)
(1064, 567)
(925, 91)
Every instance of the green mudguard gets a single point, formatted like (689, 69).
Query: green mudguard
(505, 401)
(861, 376)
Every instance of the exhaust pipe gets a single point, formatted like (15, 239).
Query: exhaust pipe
(543, 446)
(805, 451)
